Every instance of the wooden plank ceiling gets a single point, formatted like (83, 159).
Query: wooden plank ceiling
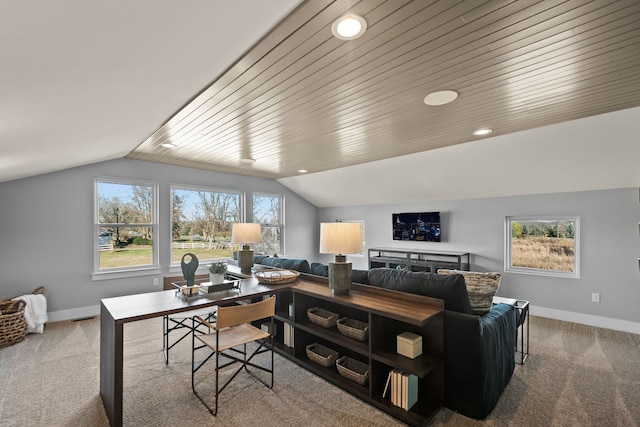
(303, 99)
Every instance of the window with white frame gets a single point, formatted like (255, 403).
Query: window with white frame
(268, 212)
(201, 220)
(125, 226)
(545, 245)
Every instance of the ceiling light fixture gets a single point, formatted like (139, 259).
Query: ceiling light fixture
(349, 27)
(169, 145)
(302, 171)
(441, 97)
(482, 132)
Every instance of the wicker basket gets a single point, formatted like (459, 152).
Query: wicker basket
(276, 277)
(353, 328)
(322, 317)
(13, 326)
(321, 355)
(353, 369)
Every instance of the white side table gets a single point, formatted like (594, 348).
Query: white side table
(522, 331)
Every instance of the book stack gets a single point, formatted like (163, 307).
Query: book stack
(402, 388)
(288, 334)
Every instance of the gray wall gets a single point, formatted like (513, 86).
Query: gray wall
(46, 225)
(610, 247)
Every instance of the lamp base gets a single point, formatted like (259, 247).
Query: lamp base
(340, 278)
(245, 260)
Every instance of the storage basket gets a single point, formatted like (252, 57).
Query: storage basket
(13, 326)
(353, 328)
(321, 355)
(322, 317)
(353, 369)
(276, 276)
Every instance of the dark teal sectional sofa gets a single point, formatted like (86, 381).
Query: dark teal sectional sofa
(479, 350)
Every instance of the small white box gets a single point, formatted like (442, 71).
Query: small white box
(409, 345)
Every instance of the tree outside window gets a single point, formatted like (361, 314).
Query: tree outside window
(543, 245)
(267, 211)
(125, 224)
(201, 222)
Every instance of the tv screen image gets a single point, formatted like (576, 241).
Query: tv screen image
(420, 226)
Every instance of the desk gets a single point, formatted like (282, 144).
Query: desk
(115, 312)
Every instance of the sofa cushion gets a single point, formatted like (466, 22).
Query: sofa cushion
(319, 269)
(300, 265)
(481, 288)
(450, 288)
(360, 276)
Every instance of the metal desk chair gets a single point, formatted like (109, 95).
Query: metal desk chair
(233, 329)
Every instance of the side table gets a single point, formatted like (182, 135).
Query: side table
(522, 338)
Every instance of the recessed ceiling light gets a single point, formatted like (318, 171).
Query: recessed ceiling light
(441, 97)
(302, 171)
(482, 132)
(169, 145)
(349, 27)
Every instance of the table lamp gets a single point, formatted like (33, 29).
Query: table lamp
(245, 233)
(340, 238)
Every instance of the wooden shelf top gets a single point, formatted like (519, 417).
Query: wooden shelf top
(405, 307)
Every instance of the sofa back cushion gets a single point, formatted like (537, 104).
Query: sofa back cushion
(481, 288)
(300, 265)
(450, 288)
(319, 269)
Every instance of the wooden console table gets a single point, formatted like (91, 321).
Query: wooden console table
(387, 312)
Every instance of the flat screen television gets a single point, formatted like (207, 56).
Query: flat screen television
(419, 227)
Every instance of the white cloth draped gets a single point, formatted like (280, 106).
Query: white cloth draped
(35, 313)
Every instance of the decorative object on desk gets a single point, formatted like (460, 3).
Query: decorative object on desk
(340, 238)
(276, 277)
(245, 233)
(322, 317)
(353, 369)
(322, 355)
(353, 328)
(481, 288)
(216, 272)
(189, 268)
(409, 345)
(207, 287)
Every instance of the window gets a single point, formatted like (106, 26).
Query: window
(267, 210)
(543, 245)
(201, 222)
(125, 225)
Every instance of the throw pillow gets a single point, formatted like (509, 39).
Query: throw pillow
(481, 288)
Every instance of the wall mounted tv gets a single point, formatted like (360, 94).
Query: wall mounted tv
(420, 226)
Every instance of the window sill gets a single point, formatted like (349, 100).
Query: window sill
(125, 274)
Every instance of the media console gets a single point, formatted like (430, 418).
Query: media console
(417, 259)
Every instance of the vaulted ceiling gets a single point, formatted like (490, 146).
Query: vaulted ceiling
(264, 88)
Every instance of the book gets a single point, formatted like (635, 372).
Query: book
(412, 391)
(387, 384)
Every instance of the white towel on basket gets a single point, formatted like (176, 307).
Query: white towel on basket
(35, 313)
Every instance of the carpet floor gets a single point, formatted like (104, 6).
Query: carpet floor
(575, 375)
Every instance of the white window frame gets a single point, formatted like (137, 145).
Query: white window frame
(508, 267)
(133, 271)
(280, 226)
(175, 266)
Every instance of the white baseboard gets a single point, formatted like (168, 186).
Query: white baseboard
(74, 313)
(587, 319)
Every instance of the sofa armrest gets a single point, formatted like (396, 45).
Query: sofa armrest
(479, 359)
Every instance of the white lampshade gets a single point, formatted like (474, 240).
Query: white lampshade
(340, 238)
(245, 232)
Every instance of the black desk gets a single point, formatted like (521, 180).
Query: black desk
(115, 312)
